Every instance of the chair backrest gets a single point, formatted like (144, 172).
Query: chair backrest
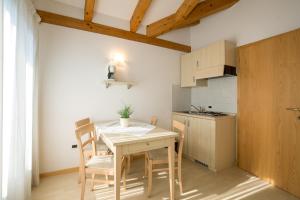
(180, 127)
(85, 135)
(153, 120)
(82, 122)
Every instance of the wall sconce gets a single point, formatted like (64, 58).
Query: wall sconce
(117, 59)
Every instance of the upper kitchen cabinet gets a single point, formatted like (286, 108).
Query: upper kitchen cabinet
(188, 70)
(215, 60)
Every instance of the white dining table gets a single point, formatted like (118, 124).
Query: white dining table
(138, 137)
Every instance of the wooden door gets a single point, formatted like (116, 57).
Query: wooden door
(268, 133)
(187, 70)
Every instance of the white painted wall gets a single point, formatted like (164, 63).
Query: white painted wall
(73, 66)
(245, 22)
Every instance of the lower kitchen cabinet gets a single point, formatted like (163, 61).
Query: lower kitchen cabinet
(209, 140)
(199, 140)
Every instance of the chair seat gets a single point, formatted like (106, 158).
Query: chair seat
(103, 162)
(159, 154)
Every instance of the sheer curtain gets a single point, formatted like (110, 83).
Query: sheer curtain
(19, 158)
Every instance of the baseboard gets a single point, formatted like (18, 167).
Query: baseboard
(75, 169)
(59, 172)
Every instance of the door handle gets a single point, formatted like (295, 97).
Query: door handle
(294, 109)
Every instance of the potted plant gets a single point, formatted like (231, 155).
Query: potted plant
(125, 113)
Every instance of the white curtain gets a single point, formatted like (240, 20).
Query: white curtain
(1, 80)
(19, 166)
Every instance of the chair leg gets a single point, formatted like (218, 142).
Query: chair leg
(106, 179)
(124, 180)
(180, 178)
(146, 166)
(79, 176)
(149, 177)
(93, 182)
(82, 185)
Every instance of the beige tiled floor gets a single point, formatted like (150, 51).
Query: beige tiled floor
(199, 183)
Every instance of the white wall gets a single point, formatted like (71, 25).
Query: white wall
(245, 22)
(72, 70)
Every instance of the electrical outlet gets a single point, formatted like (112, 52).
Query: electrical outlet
(74, 146)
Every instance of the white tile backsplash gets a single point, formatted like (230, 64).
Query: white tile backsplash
(181, 98)
(221, 94)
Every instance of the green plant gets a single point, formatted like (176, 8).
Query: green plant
(125, 112)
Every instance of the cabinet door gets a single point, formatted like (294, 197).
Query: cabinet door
(199, 139)
(194, 137)
(183, 120)
(187, 70)
(215, 54)
(204, 143)
(199, 59)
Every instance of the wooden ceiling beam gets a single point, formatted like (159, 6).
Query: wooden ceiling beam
(89, 10)
(138, 14)
(186, 8)
(70, 22)
(203, 9)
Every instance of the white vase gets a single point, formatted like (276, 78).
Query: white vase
(124, 122)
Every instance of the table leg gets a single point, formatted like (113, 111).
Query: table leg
(171, 149)
(117, 172)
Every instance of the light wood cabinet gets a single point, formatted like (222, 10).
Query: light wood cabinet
(199, 139)
(209, 140)
(187, 70)
(207, 62)
(216, 54)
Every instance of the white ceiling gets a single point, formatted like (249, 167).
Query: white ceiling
(123, 9)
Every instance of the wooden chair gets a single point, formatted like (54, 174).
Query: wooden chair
(159, 158)
(97, 164)
(153, 121)
(101, 148)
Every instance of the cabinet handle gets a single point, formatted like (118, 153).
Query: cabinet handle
(193, 78)
(197, 63)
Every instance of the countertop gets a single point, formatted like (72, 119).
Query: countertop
(229, 115)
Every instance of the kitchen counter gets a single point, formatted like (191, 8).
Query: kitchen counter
(209, 140)
(228, 115)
